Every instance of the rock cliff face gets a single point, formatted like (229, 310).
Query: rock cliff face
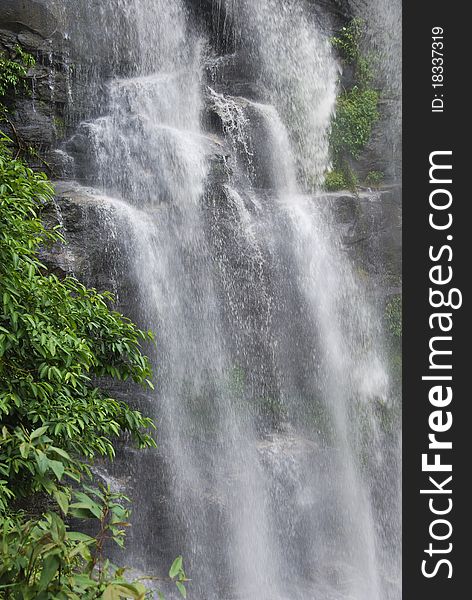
(48, 119)
(38, 119)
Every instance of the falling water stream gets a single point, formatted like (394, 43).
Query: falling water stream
(269, 351)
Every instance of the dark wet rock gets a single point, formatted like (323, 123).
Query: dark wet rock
(61, 163)
(34, 127)
(218, 155)
(370, 223)
(82, 217)
(29, 15)
(231, 74)
(37, 116)
(383, 151)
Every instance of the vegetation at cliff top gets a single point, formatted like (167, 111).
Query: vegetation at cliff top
(59, 345)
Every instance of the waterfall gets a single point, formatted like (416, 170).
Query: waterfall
(269, 355)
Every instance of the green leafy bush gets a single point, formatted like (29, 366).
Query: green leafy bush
(356, 113)
(334, 181)
(59, 345)
(374, 178)
(42, 558)
(57, 336)
(13, 72)
(357, 107)
(348, 42)
(343, 178)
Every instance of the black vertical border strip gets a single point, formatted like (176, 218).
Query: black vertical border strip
(423, 133)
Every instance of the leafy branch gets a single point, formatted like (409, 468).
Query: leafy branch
(59, 343)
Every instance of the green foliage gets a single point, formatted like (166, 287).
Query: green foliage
(334, 181)
(374, 178)
(57, 336)
(42, 558)
(348, 42)
(350, 177)
(59, 345)
(13, 72)
(356, 108)
(356, 114)
(393, 316)
(177, 575)
(343, 178)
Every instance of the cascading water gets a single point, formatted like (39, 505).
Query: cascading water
(269, 360)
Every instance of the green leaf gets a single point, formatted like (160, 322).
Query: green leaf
(42, 462)
(134, 588)
(58, 529)
(50, 568)
(182, 589)
(38, 433)
(93, 509)
(62, 500)
(57, 467)
(176, 567)
(24, 449)
(77, 536)
(119, 591)
(84, 580)
(60, 451)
